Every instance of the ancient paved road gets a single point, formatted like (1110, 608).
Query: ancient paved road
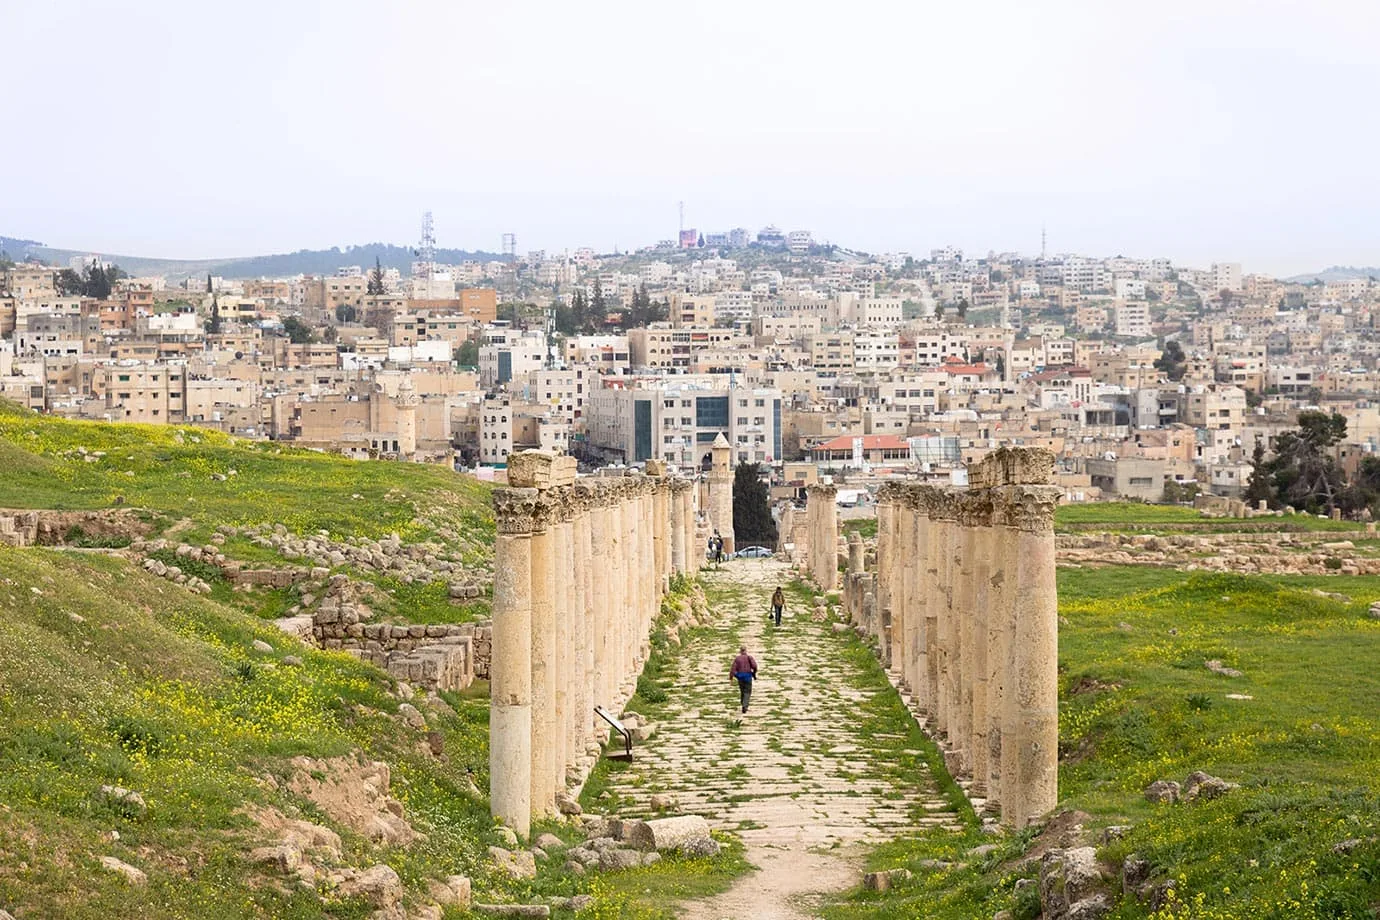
(794, 778)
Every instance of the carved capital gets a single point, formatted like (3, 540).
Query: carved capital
(975, 508)
(1031, 508)
(516, 510)
(821, 491)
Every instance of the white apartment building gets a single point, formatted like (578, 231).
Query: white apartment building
(1132, 319)
(1129, 289)
(879, 311)
(1226, 276)
(676, 419)
(875, 350)
(506, 353)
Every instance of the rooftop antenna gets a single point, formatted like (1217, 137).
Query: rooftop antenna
(682, 220)
(1043, 240)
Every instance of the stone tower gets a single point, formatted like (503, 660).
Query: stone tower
(406, 403)
(721, 491)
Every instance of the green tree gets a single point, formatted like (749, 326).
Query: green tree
(752, 521)
(376, 287)
(1172, 362)
(214, 324)
(298, 332)
(963, 308)
(69, 284)
(346, 313)
(1304, 474)
(467, 355)
(597, 302)
(1258, 487)
(96, 283)
(208, 283)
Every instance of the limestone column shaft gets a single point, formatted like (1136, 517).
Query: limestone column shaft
(981, 606)
(920, 608)
(934, 605)
(964, 622)
(1032, 707)
(600, 570)
(676, 507)
(543, 662)
(562, 589)
(903, 602)
(1000, 629)
(886, 510)
(510, 679)
(578, 708)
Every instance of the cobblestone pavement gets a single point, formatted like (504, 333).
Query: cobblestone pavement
(807, 778)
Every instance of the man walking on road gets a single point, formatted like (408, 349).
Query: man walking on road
(743, 670)
(778, 603)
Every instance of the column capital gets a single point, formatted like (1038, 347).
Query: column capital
(890, 492)
(975, 508)
(1028, 508)
(516, 510)
(822, 490)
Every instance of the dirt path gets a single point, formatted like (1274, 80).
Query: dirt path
(799, 778)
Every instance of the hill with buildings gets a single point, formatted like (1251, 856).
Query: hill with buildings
(303, 261)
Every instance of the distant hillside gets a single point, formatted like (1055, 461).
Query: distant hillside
(1337, 273)
(304, 261)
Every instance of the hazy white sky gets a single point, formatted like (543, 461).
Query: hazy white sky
(1240, 130)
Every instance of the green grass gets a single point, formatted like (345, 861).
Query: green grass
(111, 676)
(185, 472)
(1137, 705)
(1149, 518)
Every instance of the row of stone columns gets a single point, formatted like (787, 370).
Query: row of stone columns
(964, 609)
(580, 567)
(822, 522)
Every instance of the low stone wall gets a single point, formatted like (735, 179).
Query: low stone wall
(50, 528)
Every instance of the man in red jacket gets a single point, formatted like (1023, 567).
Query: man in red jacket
(743, 670)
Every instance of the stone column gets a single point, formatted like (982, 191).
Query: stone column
(578, 705)
(981, 549)
(600, 570)
(694, 549)
(1032, 706)
(1001, 628)
(823, 515)
(563, 595)
(934, 598)
(917, 617)
(886, 511)
(903, 599)
(964, 616)
(510, 679)
(677, 524)
(543, 654)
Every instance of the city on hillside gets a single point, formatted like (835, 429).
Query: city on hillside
(1148, 380)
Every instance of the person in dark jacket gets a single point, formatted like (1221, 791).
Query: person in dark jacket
(778, 604)
(744, 671)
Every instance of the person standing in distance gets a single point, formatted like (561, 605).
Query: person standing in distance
(778, 604)
(744, 671)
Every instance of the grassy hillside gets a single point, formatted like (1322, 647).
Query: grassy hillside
(109, 676)
(1299, 730)
(212, 479)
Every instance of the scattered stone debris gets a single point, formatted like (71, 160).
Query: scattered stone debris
(1162, 791)
(131, 874)
(1215, 666)
(882, 881)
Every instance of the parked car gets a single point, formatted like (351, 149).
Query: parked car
(753, 552)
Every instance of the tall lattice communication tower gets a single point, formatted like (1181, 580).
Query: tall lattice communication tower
(426, 253)
(510, 245)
